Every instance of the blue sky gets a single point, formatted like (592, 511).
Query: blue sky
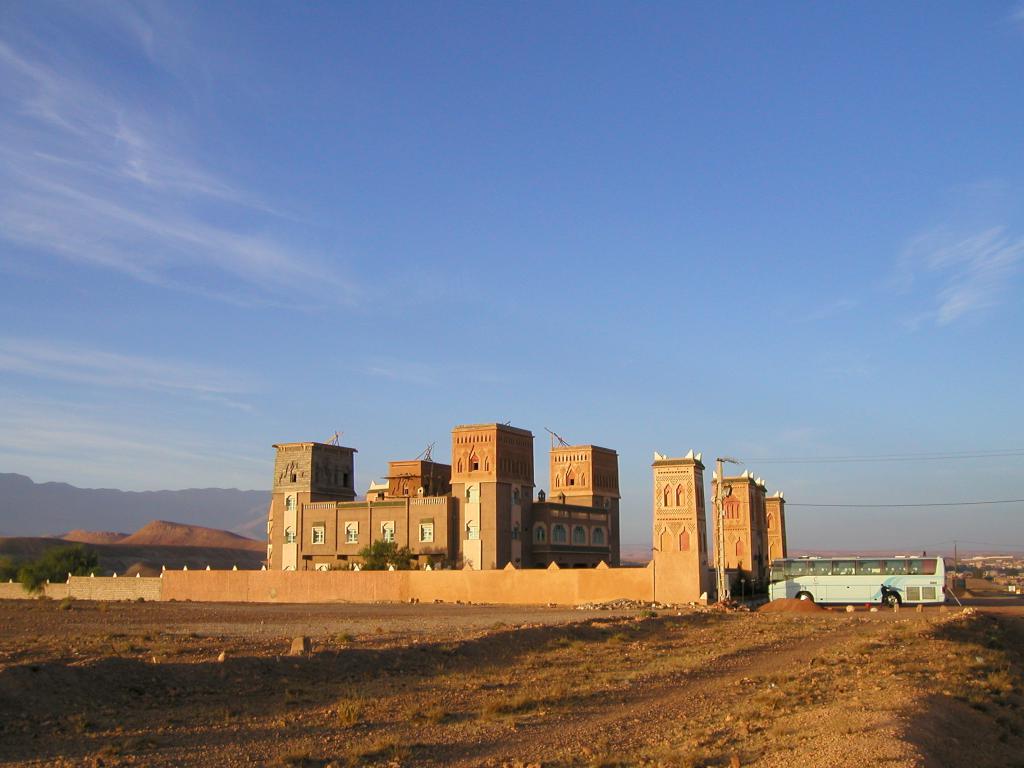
(770, 231)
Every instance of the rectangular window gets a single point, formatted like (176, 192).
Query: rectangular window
(426, 531)
(895, 567)
(387, 530)
(352, 533)
(869, 567)
(922, 567)
(821, 567)
(797, 568)
(319, 534)
(843, 567)
(289, 536)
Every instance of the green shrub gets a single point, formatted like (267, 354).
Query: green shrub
(55, 565)
(8, 569)
(381, 554)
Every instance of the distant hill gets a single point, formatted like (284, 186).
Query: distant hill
(147, 559)
(33, 509)
(157, 544)
(94, 537)
(162, 533)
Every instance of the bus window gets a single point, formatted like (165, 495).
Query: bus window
(796, 568)
(843, 567)
(777, 573)
(821, 567)
(920, 567)
(869, 567)
(895, 567)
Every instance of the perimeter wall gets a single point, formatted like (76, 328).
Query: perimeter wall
(665, 579)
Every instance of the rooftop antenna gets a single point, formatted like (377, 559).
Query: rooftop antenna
(427, 454)
(335, 439)
(556, 437)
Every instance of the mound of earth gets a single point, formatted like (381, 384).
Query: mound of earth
(791, 605)
(94, 537)
(162, 533)
(142, 569)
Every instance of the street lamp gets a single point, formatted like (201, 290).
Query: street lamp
(721, 492)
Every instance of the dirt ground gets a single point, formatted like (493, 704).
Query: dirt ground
(86, 683)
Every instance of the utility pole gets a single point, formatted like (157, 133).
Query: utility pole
(721, 492)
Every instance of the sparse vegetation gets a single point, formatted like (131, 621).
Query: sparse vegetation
(8, 569)
(350, 712)
(55, 564)
(381, 555)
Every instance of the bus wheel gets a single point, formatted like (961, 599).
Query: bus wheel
(805, 596)
(892, 599)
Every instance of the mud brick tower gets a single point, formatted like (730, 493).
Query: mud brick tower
(492, 480)
(588, 476)
(746, 540)
(775, 520)
(679, 536)
(303, 473)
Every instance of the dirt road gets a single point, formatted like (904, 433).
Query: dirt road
(139, 684)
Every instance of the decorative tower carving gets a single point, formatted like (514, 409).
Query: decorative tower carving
(775, 516)
(680, 528)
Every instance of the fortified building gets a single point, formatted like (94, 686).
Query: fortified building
(479, 512)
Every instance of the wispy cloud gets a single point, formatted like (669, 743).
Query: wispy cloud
(91, 177)
(91, 446)
(960, 276)
(63, 362)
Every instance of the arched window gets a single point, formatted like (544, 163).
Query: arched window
(597, 537)
(684, 541)
(732, 509)
(583, 479)
(487, 465)
(570, 478)
(770, 521)
(515, 495)
(474, 462)
(558, 534)
(579, 535)
(558, 481)
(665, 495)
(472, 530)
(679, 495)
(540, 534)
(460, 465)
(739, 547)
(289, 503)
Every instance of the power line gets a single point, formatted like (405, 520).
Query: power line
(889, 506)
(944, 456)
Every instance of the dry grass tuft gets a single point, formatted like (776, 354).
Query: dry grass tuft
(350, 712)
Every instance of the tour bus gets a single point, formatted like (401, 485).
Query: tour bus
(892, 580)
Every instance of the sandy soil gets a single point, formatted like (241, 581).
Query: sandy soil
(140, 684)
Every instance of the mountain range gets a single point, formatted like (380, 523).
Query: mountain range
(28, 508)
